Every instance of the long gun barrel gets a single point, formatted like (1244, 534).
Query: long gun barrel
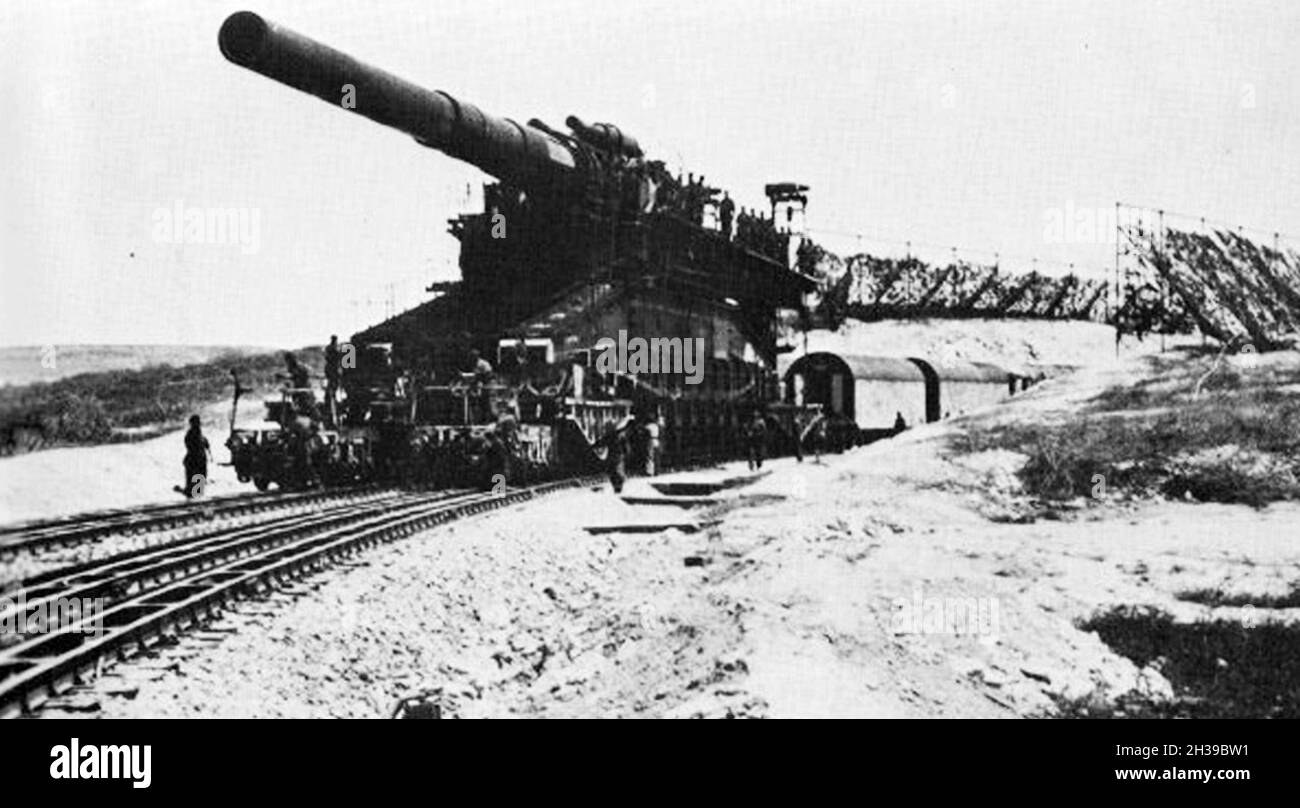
(519, 154)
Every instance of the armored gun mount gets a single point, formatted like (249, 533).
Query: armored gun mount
(578, 210)
(523, 155)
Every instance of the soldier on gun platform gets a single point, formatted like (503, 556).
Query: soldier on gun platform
(482, 370)
(480, 367)
(300, 382)
(726, 212)
(522, 360)
(333, 370)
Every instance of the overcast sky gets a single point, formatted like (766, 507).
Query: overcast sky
(962, 124)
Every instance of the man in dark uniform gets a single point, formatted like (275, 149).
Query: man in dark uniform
(818, 438)
(482, 370)
(300, 381)
(727, 212)
(756, 440)
(480, 367)
(496, 463)
(333, 371)
(616, 458)
(507, 424)
(196, 460)
(304, 443)
(298, 376)
(522, 360)
(458, 455)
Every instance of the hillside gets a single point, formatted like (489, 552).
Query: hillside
(65, 480)
(114, 405)
(26, 364)
(1187, 425)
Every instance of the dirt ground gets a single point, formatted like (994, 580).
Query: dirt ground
(57, 482)
(898, 579)
(870, 584)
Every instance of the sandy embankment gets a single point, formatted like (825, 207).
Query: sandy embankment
(795, 604)
(57, 482)
(789, 607)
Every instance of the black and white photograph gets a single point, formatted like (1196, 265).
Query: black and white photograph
(564, 359)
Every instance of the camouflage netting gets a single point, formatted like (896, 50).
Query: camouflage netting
(866, 287)
(1220, 283)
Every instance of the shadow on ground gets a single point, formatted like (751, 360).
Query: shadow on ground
(1218, 669)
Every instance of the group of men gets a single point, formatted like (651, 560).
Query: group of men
(641, 439)
(689, 198)
(755, 435)
(757, 232)
(659, 190)
(198, 452)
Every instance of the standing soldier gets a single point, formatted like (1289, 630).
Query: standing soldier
(333, 370)
(482, 370)
(402, 382)
(298, 376)
(727, 212)
(616, 458)
(196, 460)
(653, 430)
(756, 439)
(496, 463)
(819, 437)
(304, 442)
(796, 434)
(480, 367)
(300, 382)
(521, 359)
(507, 427)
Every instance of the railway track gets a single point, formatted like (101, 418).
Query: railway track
(145, 595)
(82, 528)
(112, 578)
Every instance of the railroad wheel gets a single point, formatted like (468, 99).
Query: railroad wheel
(262, 483)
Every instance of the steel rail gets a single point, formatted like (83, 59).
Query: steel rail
(50, 664)
(124, 574)
(85, 528)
